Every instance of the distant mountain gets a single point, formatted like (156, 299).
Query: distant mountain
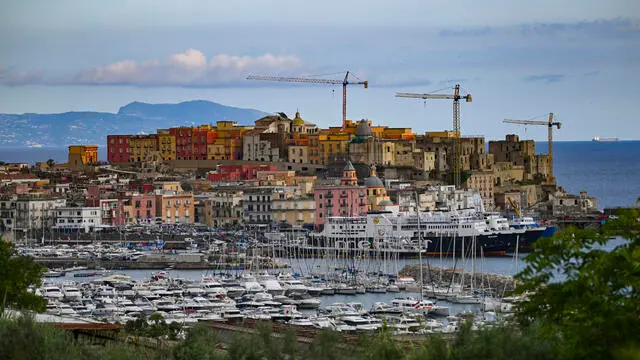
(86, 127)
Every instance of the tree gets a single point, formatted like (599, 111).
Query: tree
(17, 275)
(585, 291)
(186, 186)
(51, 163)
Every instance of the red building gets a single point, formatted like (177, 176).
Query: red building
(184, 140)
(238, 172)
(118, 148)
(191, 142)
(199, 142)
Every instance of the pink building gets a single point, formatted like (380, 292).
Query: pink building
(143, 209)
(346, 199)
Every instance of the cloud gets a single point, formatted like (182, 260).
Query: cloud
(548, 78)
(20, 78)
(188, 69)
(591, 73)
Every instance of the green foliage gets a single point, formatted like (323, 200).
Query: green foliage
(584, 294)
(17, 274)
(23, 338)
(264, 345)
(381, 346)
(200, 343)
(158, 328)
(325, 347)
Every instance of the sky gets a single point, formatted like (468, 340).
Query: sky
(579, 59)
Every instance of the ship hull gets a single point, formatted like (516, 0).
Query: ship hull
(526, 241)
(493, 244)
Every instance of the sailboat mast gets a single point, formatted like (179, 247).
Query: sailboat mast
(419, 245)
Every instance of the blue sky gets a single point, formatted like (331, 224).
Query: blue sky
(519, 59)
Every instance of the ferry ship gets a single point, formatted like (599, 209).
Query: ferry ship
(407, 234)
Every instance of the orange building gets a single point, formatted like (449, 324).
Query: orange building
(81, 155)
(175, 208)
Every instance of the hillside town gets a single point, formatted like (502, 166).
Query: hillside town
(281, 172)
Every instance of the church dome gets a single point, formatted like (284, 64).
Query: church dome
(373, 180)
(363, 129)
(297, 120)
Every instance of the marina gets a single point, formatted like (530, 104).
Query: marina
(231, 277)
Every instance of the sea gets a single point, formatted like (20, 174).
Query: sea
(610, 171)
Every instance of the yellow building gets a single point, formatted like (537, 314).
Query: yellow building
(175, 208)
(333, 146)
(295, 211)
(81, 155)
(168, 186)
(166, 145)
(377, 197)
(226, 141)
(141, 146)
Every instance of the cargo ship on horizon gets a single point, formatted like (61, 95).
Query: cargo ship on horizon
(605, 139)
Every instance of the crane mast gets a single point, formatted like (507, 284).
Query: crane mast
(456, 122)
(549, 124)
(343, 82)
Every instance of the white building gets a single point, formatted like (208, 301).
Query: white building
(35, 213)
(88, 219)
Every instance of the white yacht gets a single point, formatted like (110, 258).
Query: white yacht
(52, 292)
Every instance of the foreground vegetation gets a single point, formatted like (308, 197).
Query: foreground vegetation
(583, 302)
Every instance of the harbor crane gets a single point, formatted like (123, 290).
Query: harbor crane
(456, 97)
(343, 82)
(550, 124)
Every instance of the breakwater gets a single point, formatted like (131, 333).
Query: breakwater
(495, 283)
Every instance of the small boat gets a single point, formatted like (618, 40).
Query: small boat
(53, 273)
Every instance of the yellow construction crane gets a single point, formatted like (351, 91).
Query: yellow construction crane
(456, 122)
(550, 124)
(514, 206)
(344, 84)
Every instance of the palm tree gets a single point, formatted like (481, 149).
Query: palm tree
(51, 163)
